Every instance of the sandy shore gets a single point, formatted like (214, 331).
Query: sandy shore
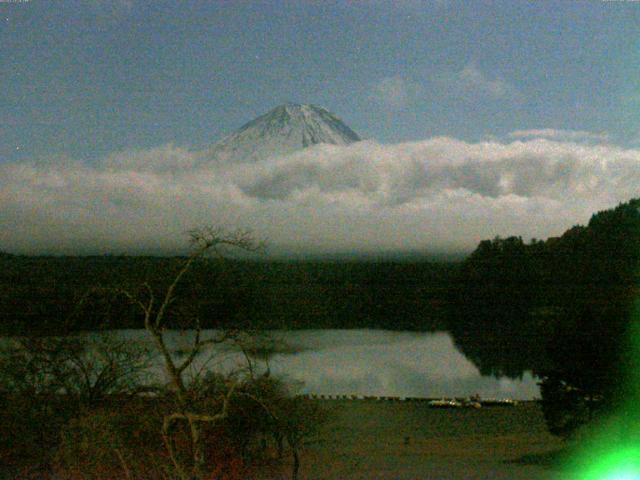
(398, 440)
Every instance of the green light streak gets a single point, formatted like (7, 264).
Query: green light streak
(623, 464)
(612, 449)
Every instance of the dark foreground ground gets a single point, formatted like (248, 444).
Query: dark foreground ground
(385, 440)
(366, 439)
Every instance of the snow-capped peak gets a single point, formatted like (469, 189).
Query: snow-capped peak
(283, 130)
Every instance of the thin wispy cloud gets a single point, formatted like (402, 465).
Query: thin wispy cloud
(632, 98)
(562, 135)
(394, 92)
(472, 83)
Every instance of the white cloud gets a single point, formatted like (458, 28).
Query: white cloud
(562, 135)
(471, 82)
(439, 193)
(167, 158)
(394, 92)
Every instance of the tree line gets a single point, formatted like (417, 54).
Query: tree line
(40, 291)
(563, 308)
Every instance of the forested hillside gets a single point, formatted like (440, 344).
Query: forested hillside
(563, 307)
(40, 293)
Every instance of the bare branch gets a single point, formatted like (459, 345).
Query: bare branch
(204, 240)
(192, 419)
(195, 349)
(78, 305)
(152, 298)
(207, 238)
(168, 297)
(264, 406)
(123, 463)
(134, 299)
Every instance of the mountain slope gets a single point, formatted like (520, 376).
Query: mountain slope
(283, 130)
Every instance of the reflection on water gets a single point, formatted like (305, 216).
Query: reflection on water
(370, 362)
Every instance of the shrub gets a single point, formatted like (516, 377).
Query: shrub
(119, 441)
(29, 429)
(566, 408)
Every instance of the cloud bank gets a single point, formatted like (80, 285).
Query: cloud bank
(433, 195)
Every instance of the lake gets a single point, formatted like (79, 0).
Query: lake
(364, 362)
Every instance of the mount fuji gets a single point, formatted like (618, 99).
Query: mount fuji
(283, 130)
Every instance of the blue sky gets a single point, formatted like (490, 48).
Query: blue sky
(86, 78)
(481, 119)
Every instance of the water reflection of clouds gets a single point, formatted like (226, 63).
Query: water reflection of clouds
(369, 362)
(373, 362)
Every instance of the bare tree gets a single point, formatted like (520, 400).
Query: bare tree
(85, 368)
(47, 381)
(156, 308)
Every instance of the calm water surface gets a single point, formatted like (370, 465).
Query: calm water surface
(365, 362)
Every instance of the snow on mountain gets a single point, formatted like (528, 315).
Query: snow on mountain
(283, 130)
